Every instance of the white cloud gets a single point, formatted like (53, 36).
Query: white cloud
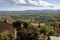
(20, 1)
(30, 2)
(43, 3)
(14, 1)
(40, 5)
(8, 0)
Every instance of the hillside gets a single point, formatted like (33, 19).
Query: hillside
(33, 11)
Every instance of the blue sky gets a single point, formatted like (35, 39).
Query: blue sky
(57, 2)
(15, 5)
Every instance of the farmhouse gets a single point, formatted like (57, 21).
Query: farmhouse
(6, 25)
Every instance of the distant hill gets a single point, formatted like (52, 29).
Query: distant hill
(33, 11)
(41, 11)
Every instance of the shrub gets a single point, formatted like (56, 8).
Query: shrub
(25, 24)
(5, 36)
(28, 34)
(44, 29)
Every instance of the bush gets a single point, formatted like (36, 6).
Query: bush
(25, 24)
(5, 36)
(44, 29)
(16, 23)
(28, 34)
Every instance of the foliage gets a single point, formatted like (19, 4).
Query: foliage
(26, 24)
(28, 34)
(37, 16)
(16, 23)
(19, 22)
(44, 29)
(57, 35)
(4, 36)
(52, 32)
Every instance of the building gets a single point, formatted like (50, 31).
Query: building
(6, 25)
(35, 24)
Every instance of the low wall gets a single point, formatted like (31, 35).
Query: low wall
(54, 38)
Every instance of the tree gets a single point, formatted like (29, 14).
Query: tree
(17, 26)
(26, 24)
(28, 34)
(44, 29)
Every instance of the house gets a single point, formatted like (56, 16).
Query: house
(6, 25)
(40, 24)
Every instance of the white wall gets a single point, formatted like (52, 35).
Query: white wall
(54, 38)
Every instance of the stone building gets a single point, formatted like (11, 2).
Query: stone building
(6, 25)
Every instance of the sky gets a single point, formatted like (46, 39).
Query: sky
(20, 5)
